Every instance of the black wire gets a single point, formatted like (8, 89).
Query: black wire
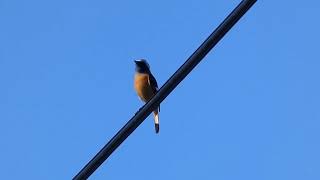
(166, 89)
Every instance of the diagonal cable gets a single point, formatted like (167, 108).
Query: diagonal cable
(166, 89)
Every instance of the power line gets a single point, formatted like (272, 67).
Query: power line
(166, 89)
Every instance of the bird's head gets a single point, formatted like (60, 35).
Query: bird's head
(142, 66)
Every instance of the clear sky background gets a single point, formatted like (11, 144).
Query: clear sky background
(249, 111)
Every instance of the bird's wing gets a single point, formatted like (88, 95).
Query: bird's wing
(154, 85)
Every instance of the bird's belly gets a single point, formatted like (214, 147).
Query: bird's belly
(142, 87)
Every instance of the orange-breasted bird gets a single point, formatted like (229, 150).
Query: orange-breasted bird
(146, 86)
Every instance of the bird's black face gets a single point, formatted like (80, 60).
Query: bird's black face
(142, 66)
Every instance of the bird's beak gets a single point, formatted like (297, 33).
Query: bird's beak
(136, 61)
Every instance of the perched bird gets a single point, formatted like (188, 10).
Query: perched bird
(146, 86)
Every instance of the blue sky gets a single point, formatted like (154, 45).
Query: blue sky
(249, 111)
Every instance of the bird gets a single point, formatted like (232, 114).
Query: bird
(146, 86)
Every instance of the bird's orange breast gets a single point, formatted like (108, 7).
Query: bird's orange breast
(142, 86)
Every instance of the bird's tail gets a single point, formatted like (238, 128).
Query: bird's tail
(156, 120)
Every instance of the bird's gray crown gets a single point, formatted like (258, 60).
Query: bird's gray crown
(142, 66)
